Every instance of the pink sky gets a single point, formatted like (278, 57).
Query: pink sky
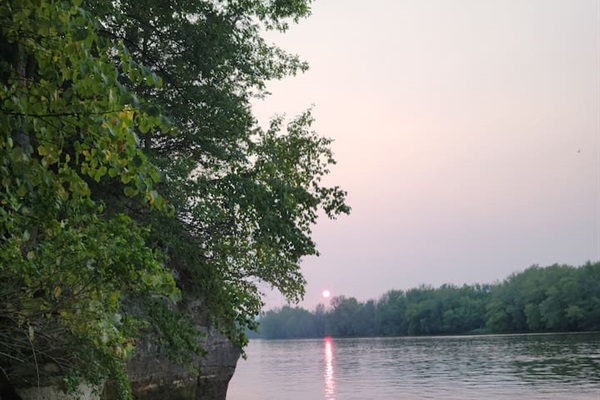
(467, 134)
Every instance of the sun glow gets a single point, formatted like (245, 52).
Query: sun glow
(326, 294)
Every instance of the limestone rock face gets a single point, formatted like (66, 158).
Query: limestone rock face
(155, 378)
(217, 368)
(42, 383)
(54, 393)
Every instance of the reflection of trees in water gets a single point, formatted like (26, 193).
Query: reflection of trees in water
(559, 358)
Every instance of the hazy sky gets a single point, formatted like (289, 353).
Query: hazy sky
(467, 135)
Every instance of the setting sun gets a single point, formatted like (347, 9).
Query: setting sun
(326, 293)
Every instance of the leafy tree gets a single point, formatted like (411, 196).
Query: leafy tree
(288, 323)
(463, 308)
(65, 265)
(245, 198)
(390, 315)
(320, 320)
(365, 319)
(129, 151)
(553, 298)
(589, 290)
(342, 319)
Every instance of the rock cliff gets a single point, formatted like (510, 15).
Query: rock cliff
(154, 377)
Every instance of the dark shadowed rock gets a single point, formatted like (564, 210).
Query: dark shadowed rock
(155, 377)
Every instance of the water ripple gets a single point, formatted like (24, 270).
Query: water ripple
(461, 368)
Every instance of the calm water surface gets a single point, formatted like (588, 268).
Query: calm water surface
(462, 368)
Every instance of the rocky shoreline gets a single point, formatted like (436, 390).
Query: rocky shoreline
(152, 377)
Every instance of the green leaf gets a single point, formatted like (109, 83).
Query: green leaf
(129, 191)
(137, 161)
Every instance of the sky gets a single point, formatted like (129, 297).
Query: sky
(467, 134)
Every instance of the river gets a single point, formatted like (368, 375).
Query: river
(497, 367)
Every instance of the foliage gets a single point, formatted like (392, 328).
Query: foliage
(555, 298)
(245, 198)
(289, 323)
(68, 123)
(133, 174)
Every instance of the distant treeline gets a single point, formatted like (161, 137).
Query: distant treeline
(550, 299)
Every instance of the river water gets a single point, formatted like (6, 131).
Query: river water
(502, 367)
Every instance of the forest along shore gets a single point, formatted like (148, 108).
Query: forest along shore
(556, 298)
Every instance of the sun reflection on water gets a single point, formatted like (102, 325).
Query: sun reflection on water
(329, 375)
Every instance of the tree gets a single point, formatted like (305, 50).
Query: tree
(342, 319)
(391, 314)
(567, 299)
(589, 290)
(245, 198)
(129, 151)
(288, 323)
(66, 265)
